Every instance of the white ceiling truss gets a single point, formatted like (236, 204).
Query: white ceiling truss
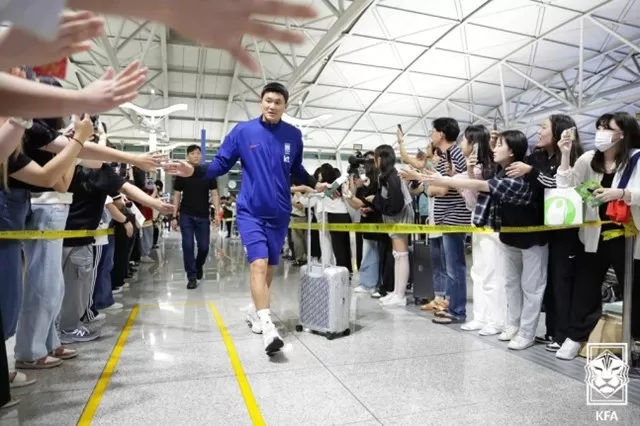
(373, 64)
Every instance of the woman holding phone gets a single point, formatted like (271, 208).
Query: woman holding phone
(540, 170)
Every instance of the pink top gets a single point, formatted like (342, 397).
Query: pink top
(470, 196)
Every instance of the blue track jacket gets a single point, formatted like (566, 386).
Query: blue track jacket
(269, 154)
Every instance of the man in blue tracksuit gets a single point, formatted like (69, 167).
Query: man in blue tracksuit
(270, 151)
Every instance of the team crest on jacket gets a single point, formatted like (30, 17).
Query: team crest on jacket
(287, 152)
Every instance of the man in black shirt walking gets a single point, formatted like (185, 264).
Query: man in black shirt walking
(191, 198)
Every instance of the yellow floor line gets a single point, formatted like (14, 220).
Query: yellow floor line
(243, 383)
(186, 303)
(96, 396)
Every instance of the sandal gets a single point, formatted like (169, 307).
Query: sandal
(443, 306)
(431, 306)
(447, 320)
(10, 404)
(64, 353)
(19, 380)
(39, 364)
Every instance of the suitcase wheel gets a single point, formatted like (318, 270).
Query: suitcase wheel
(331, 336)
(299, 328)
(347, 332)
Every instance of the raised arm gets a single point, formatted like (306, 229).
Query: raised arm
(227, 156)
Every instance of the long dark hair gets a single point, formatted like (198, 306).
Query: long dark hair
(560, 123)
(480, 135)
(517, 143)
(387, 157)
(629, 127)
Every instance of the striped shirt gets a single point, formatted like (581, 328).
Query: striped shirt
(450, 209)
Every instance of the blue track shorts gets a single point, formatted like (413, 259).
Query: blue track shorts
(261, 240)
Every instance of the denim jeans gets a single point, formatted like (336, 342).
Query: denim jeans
(146, 240)
(369, 272)
(440, 278)
(199, 228)
(103, 293)
(44, 290)
(14, 206)
(456, 264)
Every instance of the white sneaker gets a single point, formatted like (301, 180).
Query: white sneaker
(490, 330)
(519, 343)
(569, 350)
(115, 307)
(272, 340)
(394, 301)
(147, 259)
(253, 321)
(386, 297)
(362, 290)
(508, 334)
(100, 317)
(472, 325)
(118, 290)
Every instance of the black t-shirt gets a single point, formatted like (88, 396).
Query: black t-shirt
(35, 138)
(16, 163)
(195, 195)
(90, 188)
(607, 181)
(372, 217)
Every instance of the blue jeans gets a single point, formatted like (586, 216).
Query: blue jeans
(14, 206)
(456, 264)
(103, 293)
(200, 228)
(440, 278)
(369, 272)
(37, 334)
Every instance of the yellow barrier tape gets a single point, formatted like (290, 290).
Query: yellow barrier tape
(52, 235)
(408, 228)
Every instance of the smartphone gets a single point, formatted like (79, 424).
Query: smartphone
(495, 123)
(421, 155)
(336, 185)
(475, 150)
(400, 128)
(570, 133)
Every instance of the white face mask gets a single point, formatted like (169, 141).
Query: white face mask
(604, 140)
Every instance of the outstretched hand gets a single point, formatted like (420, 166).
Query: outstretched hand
(179, 168)
(75, 32)
(111, 91)
(223, 23)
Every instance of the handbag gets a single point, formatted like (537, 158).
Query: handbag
(617, 210)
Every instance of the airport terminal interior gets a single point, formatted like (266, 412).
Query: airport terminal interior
(369, 73)
(175, 364)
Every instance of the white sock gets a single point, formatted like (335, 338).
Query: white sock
(265, 317)
(401, 275)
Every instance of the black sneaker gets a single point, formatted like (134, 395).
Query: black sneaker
(192, 284)
(552, 347)
(544, 340)
(199, 273)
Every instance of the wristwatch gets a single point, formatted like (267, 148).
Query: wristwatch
(26, 124)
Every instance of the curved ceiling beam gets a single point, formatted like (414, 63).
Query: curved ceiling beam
(408, 68)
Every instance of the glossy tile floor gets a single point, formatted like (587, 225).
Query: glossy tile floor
(397, 368)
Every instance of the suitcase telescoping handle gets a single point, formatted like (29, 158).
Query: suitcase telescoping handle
(320, 196)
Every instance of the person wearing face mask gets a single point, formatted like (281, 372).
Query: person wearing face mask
(614, 164)
(540, 169)
(523, 256)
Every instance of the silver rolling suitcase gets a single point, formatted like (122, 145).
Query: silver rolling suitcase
(325, 293)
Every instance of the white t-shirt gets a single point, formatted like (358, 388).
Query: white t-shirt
(104, 224)
(41, 17)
